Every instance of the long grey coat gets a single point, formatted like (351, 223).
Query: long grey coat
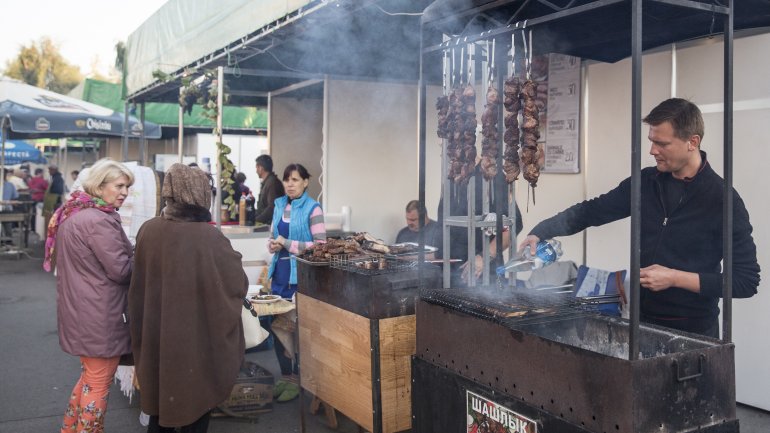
(93, 267)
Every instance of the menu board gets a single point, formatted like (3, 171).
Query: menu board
(562, 143)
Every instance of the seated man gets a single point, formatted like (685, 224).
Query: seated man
(411, 233)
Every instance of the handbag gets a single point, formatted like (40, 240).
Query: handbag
(253, 332)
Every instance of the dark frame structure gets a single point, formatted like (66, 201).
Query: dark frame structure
(546, 14)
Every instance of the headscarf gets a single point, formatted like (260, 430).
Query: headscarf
(78, 201)
(186, 190)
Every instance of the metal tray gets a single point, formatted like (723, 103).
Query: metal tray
(427, 248)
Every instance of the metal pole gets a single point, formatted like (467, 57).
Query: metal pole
(501, 60)
(727, 218)
(636, 161)
(143, 137)
(180, 135)
(3, 133)
(124, 149)
(422, 115)
(220, 102)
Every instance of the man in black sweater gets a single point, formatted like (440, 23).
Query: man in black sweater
(681, 226)
(270, 189)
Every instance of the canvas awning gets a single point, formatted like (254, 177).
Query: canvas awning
(234, 119)
(32, 112)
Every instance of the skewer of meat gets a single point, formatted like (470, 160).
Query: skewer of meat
(530, 127)
(512, 104)
(464, 157)
(489, 131)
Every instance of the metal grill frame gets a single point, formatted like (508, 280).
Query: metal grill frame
(346, 263)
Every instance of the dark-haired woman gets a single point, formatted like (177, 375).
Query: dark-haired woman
(298, 224)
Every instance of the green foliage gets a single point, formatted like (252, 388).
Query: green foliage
(40, 64)
(226, 178)
(159, 75)
(203, 93)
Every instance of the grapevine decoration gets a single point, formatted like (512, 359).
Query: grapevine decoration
(204, 94)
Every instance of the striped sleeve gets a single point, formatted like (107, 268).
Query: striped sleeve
(317, 229)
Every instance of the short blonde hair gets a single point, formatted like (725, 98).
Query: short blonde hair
(105, 170)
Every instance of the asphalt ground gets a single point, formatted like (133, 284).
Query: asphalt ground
(36, 377)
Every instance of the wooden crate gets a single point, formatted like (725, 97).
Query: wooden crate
(360, 366)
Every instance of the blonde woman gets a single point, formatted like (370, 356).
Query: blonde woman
(92, 257)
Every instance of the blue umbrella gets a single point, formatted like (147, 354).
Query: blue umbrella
(19, 152)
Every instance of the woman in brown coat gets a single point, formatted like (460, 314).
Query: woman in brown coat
(93, 266)
(185, 304)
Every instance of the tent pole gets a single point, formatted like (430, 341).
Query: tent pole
(65, 158)
(3, 133)
(220, 101)
(180, 137)
(143, 137)
(124, 150)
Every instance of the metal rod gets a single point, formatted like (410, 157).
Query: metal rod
(695, 5)
(142, 137)
(124, 147)
(471, 197)
(3, 133)
(501, 56)
(727, 218)
(636, 184)
(218, 132)
(421, 154)
(180, 134)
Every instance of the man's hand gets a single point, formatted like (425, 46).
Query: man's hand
(530, 241)
(478, 268)
(658, 278)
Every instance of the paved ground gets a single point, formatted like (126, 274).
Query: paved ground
(36, 376)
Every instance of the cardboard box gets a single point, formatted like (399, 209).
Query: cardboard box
(252, 393)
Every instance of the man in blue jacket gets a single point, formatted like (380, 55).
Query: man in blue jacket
(681, 226)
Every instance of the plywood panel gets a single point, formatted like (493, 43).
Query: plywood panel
(397, 345)
(335, 360)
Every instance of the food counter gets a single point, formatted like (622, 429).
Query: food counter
(357, 337)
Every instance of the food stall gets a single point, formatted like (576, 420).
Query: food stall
(548, 364)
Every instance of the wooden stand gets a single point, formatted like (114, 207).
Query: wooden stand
(359, 366)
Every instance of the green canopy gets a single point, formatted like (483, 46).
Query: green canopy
(233, 118)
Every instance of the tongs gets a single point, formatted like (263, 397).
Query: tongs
(598, 300)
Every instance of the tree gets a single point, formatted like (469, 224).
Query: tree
(41, 64)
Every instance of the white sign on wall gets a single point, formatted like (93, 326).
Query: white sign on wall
(563, 120)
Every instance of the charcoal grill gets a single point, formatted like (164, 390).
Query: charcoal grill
(564, 367)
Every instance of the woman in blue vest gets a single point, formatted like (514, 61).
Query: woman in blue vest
(298, 224)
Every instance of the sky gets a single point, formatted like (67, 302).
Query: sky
(85, 31)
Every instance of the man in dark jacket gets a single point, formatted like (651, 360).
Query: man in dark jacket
(681, 226)
(270, 189)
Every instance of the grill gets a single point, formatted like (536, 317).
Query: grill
(371, 265)
(519, 308)
(560, 366)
